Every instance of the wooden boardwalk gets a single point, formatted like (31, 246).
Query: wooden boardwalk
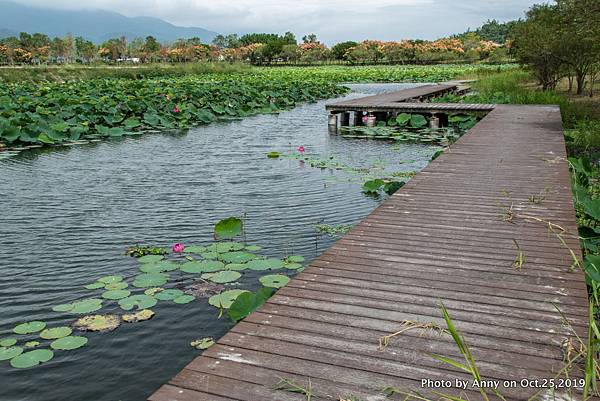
(406, 95)
(442, 237)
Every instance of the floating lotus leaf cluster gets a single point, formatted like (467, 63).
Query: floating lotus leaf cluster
(208, 270)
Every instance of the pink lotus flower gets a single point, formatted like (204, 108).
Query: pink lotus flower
(301, 149)
(178, 248)
(365, 119)
(176, 109)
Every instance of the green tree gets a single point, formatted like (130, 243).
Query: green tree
(339, 50)
(86, 50)
(311, 38)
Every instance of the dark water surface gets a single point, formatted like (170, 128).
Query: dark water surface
(68, 214)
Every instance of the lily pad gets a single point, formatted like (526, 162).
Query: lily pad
(56, 332)
(30, 327)
(150, 258)
(62, 308)
(117, 286)
(86, 306)
(168, 295)
(295, 259)
(265, 264)
(184, 299)
(153, 291)
(97, 323)
(32, 344)
(150, 280)
(210, 255)
(253, 248)
(140, 316)
(159, 267)
(236, 266)
(141, 301)
(293, 266)
(274, 280)
(225, 246)
(226, 276)
(225, 299)
(203, 343)
(228, 228)
(195, 249)
(237, 257)
(69, 343)
(116, 294)
(110, 279)
(95, 286)
(7, 353)
(31, 358)
(8, 342)
(206, 266)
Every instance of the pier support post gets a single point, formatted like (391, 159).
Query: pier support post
(332, 121)
(434, 122)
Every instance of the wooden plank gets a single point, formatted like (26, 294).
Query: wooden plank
(441, 237)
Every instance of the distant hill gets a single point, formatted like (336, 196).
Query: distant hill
(95, 25)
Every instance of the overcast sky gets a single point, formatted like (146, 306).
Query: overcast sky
(332, 21)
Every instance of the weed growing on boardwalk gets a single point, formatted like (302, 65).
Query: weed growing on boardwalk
(520, 258)
(411, 325)
(293, 387)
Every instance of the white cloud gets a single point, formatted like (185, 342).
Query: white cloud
(332, 21)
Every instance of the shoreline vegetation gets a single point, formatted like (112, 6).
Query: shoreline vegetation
(151, 98)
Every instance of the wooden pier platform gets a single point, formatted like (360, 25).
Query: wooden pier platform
(449, 235)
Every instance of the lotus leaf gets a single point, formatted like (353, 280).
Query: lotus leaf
(31, 358)
(29, 327)
(153, 291)
(145, 314)
(141, 301)
(95, 286)
(86, 306)
(7, 353)
(110, 279)
(210, 255)
(168, 295)
(248, 302)
(206, 266)
(32, 344)
(237, 257)
(184, 299)
(225, 299)
(116, 294)
(293, 266)
(295, 259)
(236, 266)
(97, 323)
(273, 155)
(117, 286)
(225, 246)
(225, 277)
(417, 121)
(402, 118)
(228, 228)
(69, 343)
(274, 280)
(203, 343)
(150, 280)
(62, 308)
(8, 342)
(372, 186)
(195, 249)
(253, 248)
(150, 258)
(55, 332)
(265, 264)
(159, 267)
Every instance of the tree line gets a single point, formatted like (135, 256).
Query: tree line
(561, 40)
(257, 48)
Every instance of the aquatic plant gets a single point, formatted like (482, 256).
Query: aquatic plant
(247, 302)
(178, 248)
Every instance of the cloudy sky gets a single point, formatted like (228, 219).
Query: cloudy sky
(332, 21)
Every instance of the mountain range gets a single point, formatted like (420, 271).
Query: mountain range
(95, 25)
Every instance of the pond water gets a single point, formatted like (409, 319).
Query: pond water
(68, 214)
